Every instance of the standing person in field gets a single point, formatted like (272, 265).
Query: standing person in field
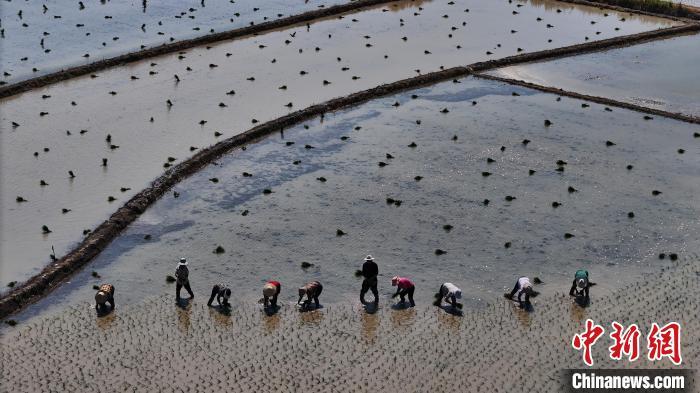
(448, 293)
(103, 296)
(404, 287)
(312, 291)
(522, 287)
(580, 285)
(271, 290)
(182, 276)
(370, 270)
(220, 291)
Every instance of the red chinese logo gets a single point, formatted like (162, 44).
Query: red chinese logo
(662, 342)
(626, 342)
(665, 342)
(586, 340)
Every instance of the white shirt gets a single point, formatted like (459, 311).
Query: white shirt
(452, 290)
(523, 282)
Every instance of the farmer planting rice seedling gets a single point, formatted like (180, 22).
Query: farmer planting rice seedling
(461, 143)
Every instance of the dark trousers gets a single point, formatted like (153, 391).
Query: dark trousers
(369, 283)
(214, 293)
(407, 292)
(178, 287)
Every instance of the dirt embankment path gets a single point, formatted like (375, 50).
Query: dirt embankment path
(51, 276)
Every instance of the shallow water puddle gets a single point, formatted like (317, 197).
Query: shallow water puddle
(225, 90)
(51, 35)
(659, 74)
(356, 172)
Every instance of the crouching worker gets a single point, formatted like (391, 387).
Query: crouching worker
(271, 290)
(222, 293)
(312, 291)
(580, 285)
(522, 287)
(104, 295)
(404, 287)
(449, 293)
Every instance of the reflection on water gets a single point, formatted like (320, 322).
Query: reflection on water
(270, 322)
(448, 321)
(221, 316)
(370, 324)
(105, 322)
(403, 319)
(183, 313)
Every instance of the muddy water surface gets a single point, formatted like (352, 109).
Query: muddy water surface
(660, 74)
(61, 34)
(331, 176)
(67, 125)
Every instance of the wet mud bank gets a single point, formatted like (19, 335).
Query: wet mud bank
(73, 72)
(681, 12)
(96, 241)
(596, 99)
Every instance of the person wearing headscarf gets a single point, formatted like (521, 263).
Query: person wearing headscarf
(522, 287)
(580, 285)
(104, 295)
(271, 290)
(220, 292)
(311, 290)
(449, 293)
(404, 287)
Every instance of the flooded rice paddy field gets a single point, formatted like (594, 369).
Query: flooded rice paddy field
(109, 117)
(480, 184)
(140, 118)
(669, 84)
(50, 35)
(145, 346)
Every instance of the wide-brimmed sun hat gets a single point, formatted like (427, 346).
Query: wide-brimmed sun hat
(269, 290)
(183, 261)
(369, 258)
(100, 297)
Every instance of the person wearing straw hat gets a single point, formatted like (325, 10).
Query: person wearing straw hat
(220, 291)
(370, 270)
(580, 285)
(449, 293)
(104, 295)
(404, 287)
(182, 276)
(311, 290)
(271, 290)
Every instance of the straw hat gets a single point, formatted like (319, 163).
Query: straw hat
(100, 297)
(269, 290)
(183, 261)
(369, 258)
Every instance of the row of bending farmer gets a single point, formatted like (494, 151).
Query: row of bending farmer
(405, 288)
